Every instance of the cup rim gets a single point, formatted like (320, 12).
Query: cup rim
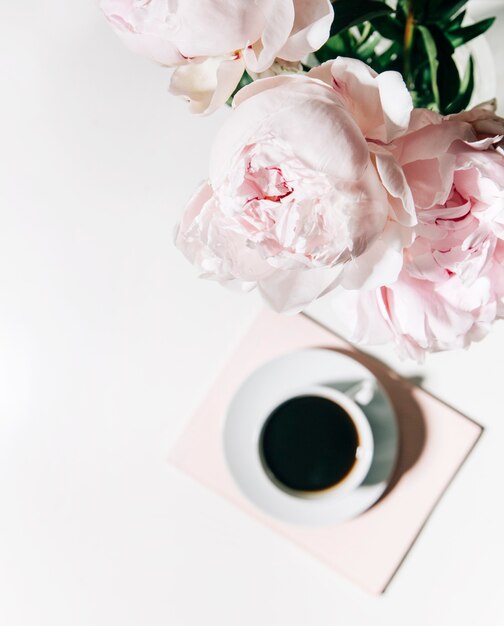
(364, 452)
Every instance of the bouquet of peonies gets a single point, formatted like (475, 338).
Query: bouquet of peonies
(347, 165)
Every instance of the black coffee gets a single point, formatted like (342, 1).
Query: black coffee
(309, 443)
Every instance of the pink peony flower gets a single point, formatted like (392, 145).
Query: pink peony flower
(294, 203)
(451, 288)
(212, 41)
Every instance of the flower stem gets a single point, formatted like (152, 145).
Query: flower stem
(408, 44)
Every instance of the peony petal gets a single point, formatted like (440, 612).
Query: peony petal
(201, 196)
(290, 291)
(311, 28)
(293, 108)
(420, 118)
(207, 85)
(218, 27)
(151, 46)
(396, 103)
(380, 104)
(219, 253)
(421, 311)
(360, 313)
(431, 141)
(381, 263)
(355, 83)
(484, 121)
(278, 23)
(430, 180)
(421, 263)
(304, 86)
(394, 180)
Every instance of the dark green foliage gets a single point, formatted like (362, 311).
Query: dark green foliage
(415, 37)
(466, 88)
(459, 36)
(349, 14)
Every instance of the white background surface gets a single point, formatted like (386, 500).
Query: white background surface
(107, 343)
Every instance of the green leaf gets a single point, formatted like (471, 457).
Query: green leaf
(389, 27)
(460, 36)
(444, 10)
(333, 47)
(245, 80)
(418, 6)
(365, 32)
(431, 51)
(401, 11)
(419, 9)
(447, 77)
(390, 59)
(366, 49)
(456, 22)
(351, 12)
(466, 89)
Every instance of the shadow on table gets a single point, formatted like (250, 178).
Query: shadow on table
(411, 422)
(410, 418)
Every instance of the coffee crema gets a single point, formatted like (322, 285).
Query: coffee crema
(308, 444)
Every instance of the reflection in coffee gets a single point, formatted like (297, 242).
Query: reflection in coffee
(309, 443)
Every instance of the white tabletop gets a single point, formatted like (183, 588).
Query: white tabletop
(108, 342)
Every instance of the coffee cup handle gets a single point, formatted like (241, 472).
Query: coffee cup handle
(362, 392)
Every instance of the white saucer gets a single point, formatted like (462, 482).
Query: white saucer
(277, 379)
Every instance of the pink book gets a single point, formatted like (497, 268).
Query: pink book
(435, 440)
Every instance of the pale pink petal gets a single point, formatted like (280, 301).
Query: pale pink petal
(361, 316)
(408, 301)
(218, 27)
(311, 28)
(279, 20)
(312, 112)
(291, 291)
(219, 254)
(394, 180)
(207, 85)
(432, 140)
(382, 261)
(202, 195)
(355, 82)
(488, 142)
(396, 103)
(430, 180)
(484, 120)
(308, 87)
(421, 263)
(423, 117)
(380, 104)
(153, 43)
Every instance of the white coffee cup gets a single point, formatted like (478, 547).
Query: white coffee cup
(364, 451)
(330, 374)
